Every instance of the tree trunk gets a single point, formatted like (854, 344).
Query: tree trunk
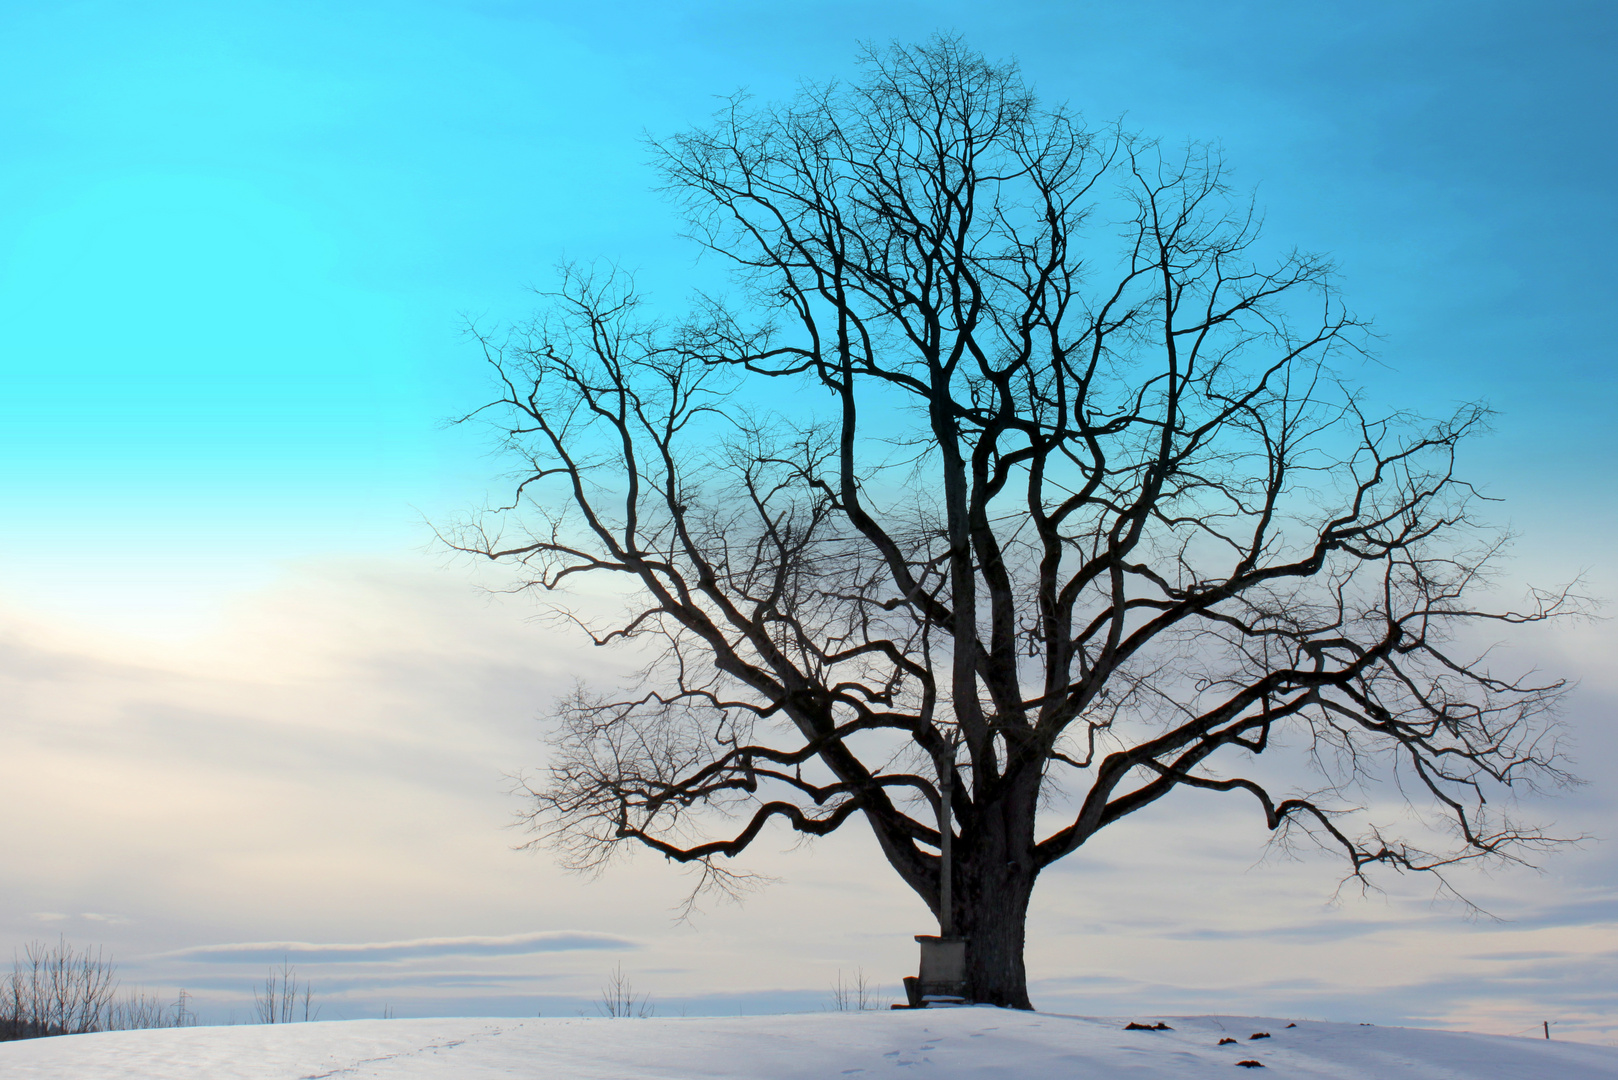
(993, 917)
(993, 882)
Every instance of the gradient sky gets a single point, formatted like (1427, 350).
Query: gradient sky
(245, 705)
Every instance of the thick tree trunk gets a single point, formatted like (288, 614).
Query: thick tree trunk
(993, 917)
(993, 882)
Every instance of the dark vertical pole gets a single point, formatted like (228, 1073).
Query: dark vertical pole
(946, 871)
(1547, 1029)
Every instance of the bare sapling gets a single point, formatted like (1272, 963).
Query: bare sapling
(619, 999)
(856, 994)
(283, 999)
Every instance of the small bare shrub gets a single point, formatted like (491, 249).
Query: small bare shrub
(857, 994)
(618, 997)
(138, 1010)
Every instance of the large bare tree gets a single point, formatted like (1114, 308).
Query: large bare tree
(1009, 473)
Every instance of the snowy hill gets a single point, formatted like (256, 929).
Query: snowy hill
(946, 1044)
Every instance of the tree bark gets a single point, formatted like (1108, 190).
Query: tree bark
(993, 918)
(992, 887)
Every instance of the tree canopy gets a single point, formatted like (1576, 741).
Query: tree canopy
(1014, 459)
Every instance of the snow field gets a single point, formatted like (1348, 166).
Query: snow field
(941, 1044)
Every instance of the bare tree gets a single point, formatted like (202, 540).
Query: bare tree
(619, 999)
(854, 994)
(284, 999)
(1011, 469)
(57, 990)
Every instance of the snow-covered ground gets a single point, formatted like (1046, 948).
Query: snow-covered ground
(945, 1044)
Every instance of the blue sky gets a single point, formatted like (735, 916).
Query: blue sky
(240, 240)
(238, 246)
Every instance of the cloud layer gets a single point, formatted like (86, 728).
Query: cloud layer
(329, 767)
(302, 952)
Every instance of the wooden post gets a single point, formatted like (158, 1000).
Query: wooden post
(943, 958)
(1547, 1029)
(946, 869)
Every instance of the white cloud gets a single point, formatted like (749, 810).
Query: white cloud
(302, 952)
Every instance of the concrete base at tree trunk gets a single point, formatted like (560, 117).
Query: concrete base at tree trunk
(943, 972)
